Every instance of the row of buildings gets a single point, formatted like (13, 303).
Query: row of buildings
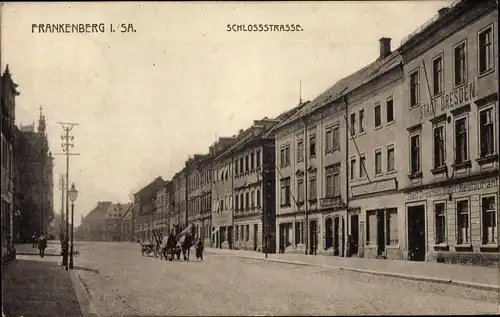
(27, 173)
(349, 173)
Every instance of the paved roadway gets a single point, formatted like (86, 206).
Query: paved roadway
(127, 283)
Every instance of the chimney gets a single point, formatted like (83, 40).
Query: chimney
(443, 11)
(385, 47)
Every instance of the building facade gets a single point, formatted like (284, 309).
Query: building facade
(254, 188)
(8, 93)
(92, 227)
(178, 219)
(161, 219)
(126, 225)
(222, 193)
(144, 210)
(451, 100)
(199, 195)
(112, 226)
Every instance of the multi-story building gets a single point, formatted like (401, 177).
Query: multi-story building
(169, 204)
(199, 192)
(126, 232)
(222, 193)
(92, 227)
(178, 219)
(329, 163)
(452, 121)
(374, 160)
(8, 93)
(112, 226)
(145, 209)
(161, 220)
(34, 180)
(254, 188)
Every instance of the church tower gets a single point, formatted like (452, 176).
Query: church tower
(41, 123)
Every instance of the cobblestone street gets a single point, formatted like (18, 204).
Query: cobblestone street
(123, 282)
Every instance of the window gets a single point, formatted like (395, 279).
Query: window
(488, 218)
(332, 180)
(439, 146)
(312, 146)
(252, 162)
(285, 156)
(300, 150)
(242, 201)
(440, 212)
(328, 140)
(486, 132)
(257, 158)
(391, 226)
(389, 107)
(437, 75)
(329, 184)
(362, 166)
(361, 120)
(248, 233)
(353, 168)
(390, 158)
(415, 154)
(236, 167)
(241, 165)
(485, 50)
(460, 65)
(299, 227)
(463, 221)
(242, 233)
(252, 199)
(237, 202)
(285, 192)
(377, 116)
(414, 88)
(258, 197)
(246, 163)
(247, 200)
(300, 190)
(312, 188)
(221, 205)
(378, 162)
(335, 138)
(461, 146)
(353, 124)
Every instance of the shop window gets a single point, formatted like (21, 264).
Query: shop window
(299, 232)
(391, 227)
(462, 209)
(489, 219)
(440, 213)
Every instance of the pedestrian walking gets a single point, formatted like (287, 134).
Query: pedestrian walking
(42, 244)
(65, 246)
(34, 241)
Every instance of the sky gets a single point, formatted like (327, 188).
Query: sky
(148, 99)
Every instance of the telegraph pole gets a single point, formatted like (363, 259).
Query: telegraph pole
(66, 146)
(62, 183)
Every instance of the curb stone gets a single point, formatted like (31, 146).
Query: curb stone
(86, 307)
(479, 286)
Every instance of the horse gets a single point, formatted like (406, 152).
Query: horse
(186, 245)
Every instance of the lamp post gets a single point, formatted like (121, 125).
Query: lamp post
(72, 195)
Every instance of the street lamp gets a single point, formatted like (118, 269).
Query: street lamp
(72, 194)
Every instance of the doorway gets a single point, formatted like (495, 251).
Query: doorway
(282, 238)
(255, 235)
(313, 237)
(230, 236)
(354, 247)
(380, 233)
(336, 233)
(416, 233)
(329, 236)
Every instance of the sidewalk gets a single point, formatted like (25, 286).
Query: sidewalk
(38, 288)
(470, 276)
(53, 249)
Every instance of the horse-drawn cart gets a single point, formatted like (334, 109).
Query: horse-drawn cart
(147, 248)
(170, 253)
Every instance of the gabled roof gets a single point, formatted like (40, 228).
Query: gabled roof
(98, 213)
(346, 85)
(150, 190)
(116, 211)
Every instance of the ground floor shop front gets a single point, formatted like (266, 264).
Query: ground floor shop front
(454, 222)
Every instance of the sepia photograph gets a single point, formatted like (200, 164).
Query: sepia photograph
(250, 158)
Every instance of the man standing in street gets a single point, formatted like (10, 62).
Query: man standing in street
(42, 244)
(34, 241)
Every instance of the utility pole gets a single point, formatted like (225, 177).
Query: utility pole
(62, 183)
(66, 145)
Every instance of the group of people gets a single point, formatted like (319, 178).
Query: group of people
(41, 242)
(185, 245)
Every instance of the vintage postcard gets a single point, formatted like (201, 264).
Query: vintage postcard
(250, 158)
